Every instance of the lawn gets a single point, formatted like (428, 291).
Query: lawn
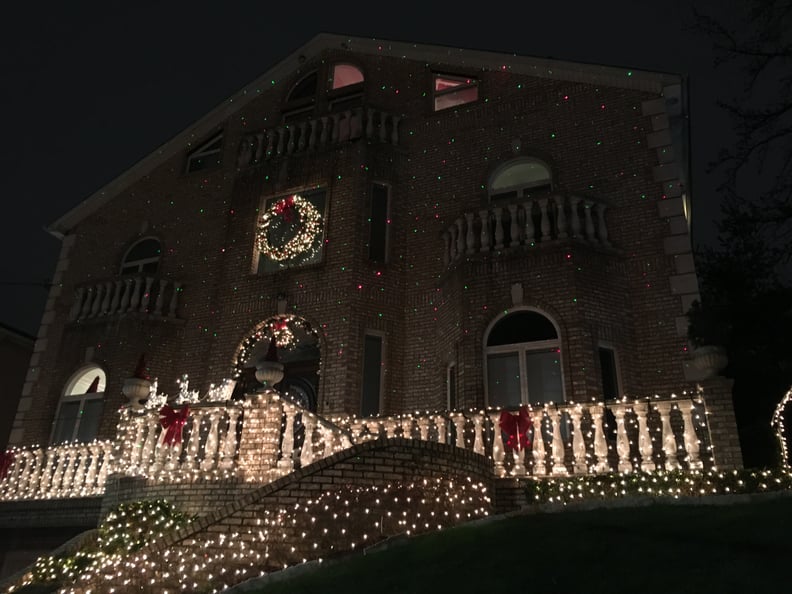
(668, 549)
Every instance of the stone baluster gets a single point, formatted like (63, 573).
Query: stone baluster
(229, 447)
(374, 428)
(669, 440)
(115, 304)
(10, 483)
(538, 452)
(622, 441)
(325, 129)
(395, 129)
(57, 477)
(452, 231)
(280, 131)
(499, 235)
(442, 430)
(257, 156)
(31, 478)
(370, 123)
(88, 303)
(146, 299)
(106, 303)
(498, 452)
(174, 302)
(334, 131)
(272, 137)
(589, 222)
(514, 227)
(356, 427)
(383, 131)
(106, 466)
(602, 229)
(126, 296)
(286, 461)
(356, 125)
(561, 221)
(79, 487)
(146, 456)
(423, 428)
(76, 307)
(314, 124)
(544, 224)
(484, 215)
(136, 442)
(459, 426)
(98, 299)
(134, 302)
(447, 248)
(460, 223)
(406, 426)
(530, 231)
(301, 141)
(578, 442)
(559, 468)
(307, 450)
(160, 297)
(689, 436)
(291, 144)
(193, 439)
(478, 434)
(470, 237)
(212, 445)
(93, 469)
(644, 438)
(345, 441)
(245, 153)
(67, 480)
(574, 211)
(600, 442)
(174, 453)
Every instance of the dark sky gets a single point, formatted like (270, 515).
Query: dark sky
(87, 91)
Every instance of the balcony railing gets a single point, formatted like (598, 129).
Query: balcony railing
(525, 223)
(317, 133)
(139, 295)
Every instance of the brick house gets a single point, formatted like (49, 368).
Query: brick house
(420, 228)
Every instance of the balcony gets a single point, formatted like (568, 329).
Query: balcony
(526, 223)
(134, 296)
(318, 133)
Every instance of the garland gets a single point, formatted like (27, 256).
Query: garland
(297, 212)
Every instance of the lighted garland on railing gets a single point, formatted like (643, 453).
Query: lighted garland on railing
(777, 423)
(300, 218)
(675, 484)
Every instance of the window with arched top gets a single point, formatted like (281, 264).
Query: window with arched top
(345, 75)
(519, 178)
(142, 256)
(523, 360)
(304, 90)
(80, 407)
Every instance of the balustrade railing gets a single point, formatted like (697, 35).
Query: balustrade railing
(526, 223)
(61, 471)
(566, 438)
(318, 133)
(142, 295)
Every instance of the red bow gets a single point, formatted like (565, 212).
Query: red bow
(516, 427)
(285, 208)
(173, 421)
(6, 460)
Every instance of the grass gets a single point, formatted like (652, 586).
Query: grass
(664, 549)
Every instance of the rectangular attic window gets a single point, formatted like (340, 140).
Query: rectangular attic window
(450, 91)
(207, 155)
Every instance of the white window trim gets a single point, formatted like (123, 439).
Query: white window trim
(141, 262)
(82, 398)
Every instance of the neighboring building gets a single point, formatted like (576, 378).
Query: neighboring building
(16, 347)
(421, 228)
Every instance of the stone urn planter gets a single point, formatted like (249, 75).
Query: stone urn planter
(269, 373)
(137, 391)
(710, 360)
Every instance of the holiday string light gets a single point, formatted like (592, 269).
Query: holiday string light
(300, 218)
(777, 423)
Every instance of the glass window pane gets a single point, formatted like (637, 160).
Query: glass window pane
(345, 75)
(67, 419)
(503, 379)
(522, 174)
(466, 95)
(89, 420)
(544, 376)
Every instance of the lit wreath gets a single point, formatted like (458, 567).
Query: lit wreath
(308, 227)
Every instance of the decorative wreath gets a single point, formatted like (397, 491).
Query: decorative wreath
(302, 216)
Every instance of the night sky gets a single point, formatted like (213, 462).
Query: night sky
(88, 92)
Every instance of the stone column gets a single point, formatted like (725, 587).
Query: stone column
(717, 396)
(258, 445)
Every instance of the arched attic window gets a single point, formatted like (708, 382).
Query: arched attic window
(345, 75)
(519, 178)
(143, 256)
(523, 357)
(80, 406)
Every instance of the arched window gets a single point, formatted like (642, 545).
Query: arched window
(80, 407)
(345, 75)
(143, 256)
(305, 89)
(523, 357)
(519, 178)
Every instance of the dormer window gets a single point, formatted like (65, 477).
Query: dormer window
(450, 91)
(519, 179)
(207, 155)
(345, 75)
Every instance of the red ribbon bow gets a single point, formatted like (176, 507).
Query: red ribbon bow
(285, 208)
(173, 421)
(6, 460)
(516, 427)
